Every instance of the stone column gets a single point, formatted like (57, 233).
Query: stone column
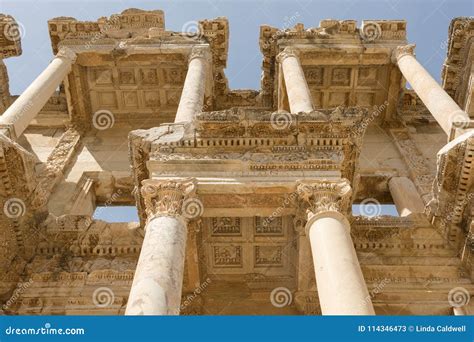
(459, 311)
(25, 108)
(192, 97)
(299, 96)
(158, 280)
(443, 108)
(405, 196)
(341, 285)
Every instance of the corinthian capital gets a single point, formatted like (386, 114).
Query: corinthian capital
(325, 196)
(66, 53)
(401, 51)
(287, 52)
(175, 198)
(200, 52)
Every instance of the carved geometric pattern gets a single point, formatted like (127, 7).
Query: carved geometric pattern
(227, 256)
(226, 226)
(367, 76)
(314, 75)
(134, 88)
(268, 255)
(248, 245)
(268, 227)
(333, 86)
(341, 76)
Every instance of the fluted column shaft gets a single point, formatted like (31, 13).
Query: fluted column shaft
(443, 108)
(340, 282)
(299, 96)
(25, 108)
(158, 280)
(192, 97)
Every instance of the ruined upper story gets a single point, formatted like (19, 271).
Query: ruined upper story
(131, 66)
(366, 126)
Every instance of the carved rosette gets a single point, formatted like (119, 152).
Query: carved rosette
(325, 197)
(167, 198)
(401, 51)
(287, 52)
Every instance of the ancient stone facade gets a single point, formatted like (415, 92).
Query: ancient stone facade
(244, 197)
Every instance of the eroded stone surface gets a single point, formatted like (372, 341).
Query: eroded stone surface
(332, 109)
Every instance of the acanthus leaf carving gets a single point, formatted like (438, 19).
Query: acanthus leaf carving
(166, 198)
(322, 196)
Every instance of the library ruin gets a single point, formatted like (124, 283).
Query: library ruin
(244, 197)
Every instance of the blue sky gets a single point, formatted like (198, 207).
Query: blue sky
(428, 23)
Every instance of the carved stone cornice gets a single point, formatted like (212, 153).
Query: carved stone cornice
(325, 197)
(170, 198)
(287, 52)
(420, 171)
(55, 166)
(460, 53)
(452, 189)
(401, 51)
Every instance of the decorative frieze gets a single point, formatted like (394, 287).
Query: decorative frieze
(421, 173)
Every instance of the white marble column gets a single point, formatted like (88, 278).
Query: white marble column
(340, 282)
(443, 108)
(299, 96)
(25, 108)
(405, 196)
(192, 96)
(459, 311)
(158, 280)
